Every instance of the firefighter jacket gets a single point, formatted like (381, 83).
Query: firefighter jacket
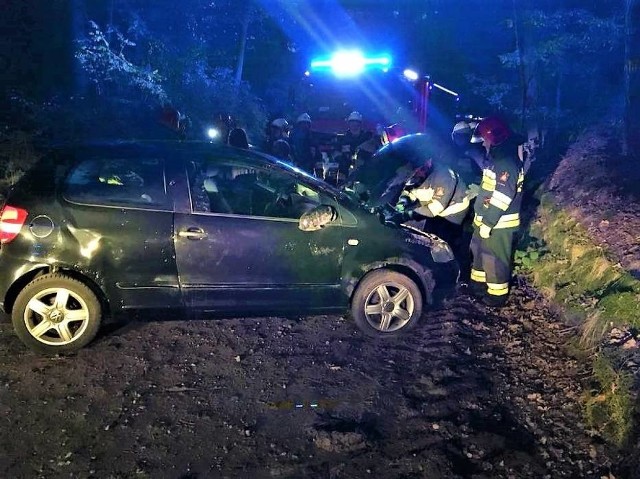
(349, 142)
(304, 149)
(348, 148)
(498, 203)
(443, 193)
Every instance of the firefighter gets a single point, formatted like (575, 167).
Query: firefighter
(278, 130)
(436, 192)
(497, 212)
(469, 163)
(304, 150)
(349, 142)
(281, 149)
(461, 136)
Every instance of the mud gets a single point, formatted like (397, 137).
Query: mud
(472, 392)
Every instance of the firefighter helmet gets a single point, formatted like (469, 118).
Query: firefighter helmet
(461, 129)
(280, 123)
(493, 130)
(304, 118)
(354, 116)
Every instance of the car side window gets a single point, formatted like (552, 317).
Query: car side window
(240, 189)
(124, 182)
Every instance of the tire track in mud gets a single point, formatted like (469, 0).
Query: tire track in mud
(276, 397)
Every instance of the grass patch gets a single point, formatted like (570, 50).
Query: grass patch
(574, 271)
(597, 294)
(610, 407)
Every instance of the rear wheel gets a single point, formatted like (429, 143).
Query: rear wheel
(56, 314)
(386, 303)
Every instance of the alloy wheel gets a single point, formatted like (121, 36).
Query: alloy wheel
(56, 316)
(389, 307)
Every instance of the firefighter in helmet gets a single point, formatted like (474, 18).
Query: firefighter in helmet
(461, 137)
(435, 191)
(350, 141)
(469, 161)
(497, 211)
(436, 194)
(303, 148)
(278, 130)
(281, 149)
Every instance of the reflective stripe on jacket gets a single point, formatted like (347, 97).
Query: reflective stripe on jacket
(443, 194)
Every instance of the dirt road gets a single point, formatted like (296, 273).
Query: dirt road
(474, 392)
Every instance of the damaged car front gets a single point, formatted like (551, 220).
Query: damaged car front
(377, 185)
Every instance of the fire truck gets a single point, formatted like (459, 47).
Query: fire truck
(393, 101)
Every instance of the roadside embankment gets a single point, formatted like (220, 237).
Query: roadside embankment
(582, 250)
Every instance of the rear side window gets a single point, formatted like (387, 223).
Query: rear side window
(138, 183)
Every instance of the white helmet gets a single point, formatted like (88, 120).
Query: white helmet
(304, 118)
(280, 123)
(354, 116)
(462, 128)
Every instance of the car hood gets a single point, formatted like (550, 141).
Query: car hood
(381, 179)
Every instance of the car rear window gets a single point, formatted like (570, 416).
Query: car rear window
(138, 183)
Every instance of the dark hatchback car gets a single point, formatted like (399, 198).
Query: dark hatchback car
(96, 230)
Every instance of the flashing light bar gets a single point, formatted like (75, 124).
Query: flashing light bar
(347, 63)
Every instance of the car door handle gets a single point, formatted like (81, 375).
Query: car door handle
(192, 234)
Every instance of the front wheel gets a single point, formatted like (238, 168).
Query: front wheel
(56, 314)
(386, 303)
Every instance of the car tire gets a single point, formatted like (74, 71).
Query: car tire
(56, 314)
(386, 303)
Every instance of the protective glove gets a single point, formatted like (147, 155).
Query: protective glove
(472, 191)
(406, 203)
(397, 218)
(485, 231)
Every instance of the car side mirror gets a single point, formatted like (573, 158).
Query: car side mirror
(317, 218)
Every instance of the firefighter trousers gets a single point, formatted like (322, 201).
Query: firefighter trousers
(492, 261)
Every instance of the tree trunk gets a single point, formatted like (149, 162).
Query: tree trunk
(631, 67)
(78, 12)
(521, 66)
(243, 44)
(627, 78)
(558, 104)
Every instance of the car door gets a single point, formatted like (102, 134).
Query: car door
(239, 247)
(119, 224)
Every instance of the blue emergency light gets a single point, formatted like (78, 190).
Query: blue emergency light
(348, 63)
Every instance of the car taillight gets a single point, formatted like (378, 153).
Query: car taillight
(11, 221)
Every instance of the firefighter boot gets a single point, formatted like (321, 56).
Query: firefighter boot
(474, 289)
(494, 301)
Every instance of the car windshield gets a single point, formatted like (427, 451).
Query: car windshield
(303, 175)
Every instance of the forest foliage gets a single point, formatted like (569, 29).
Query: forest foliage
(549, 66)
